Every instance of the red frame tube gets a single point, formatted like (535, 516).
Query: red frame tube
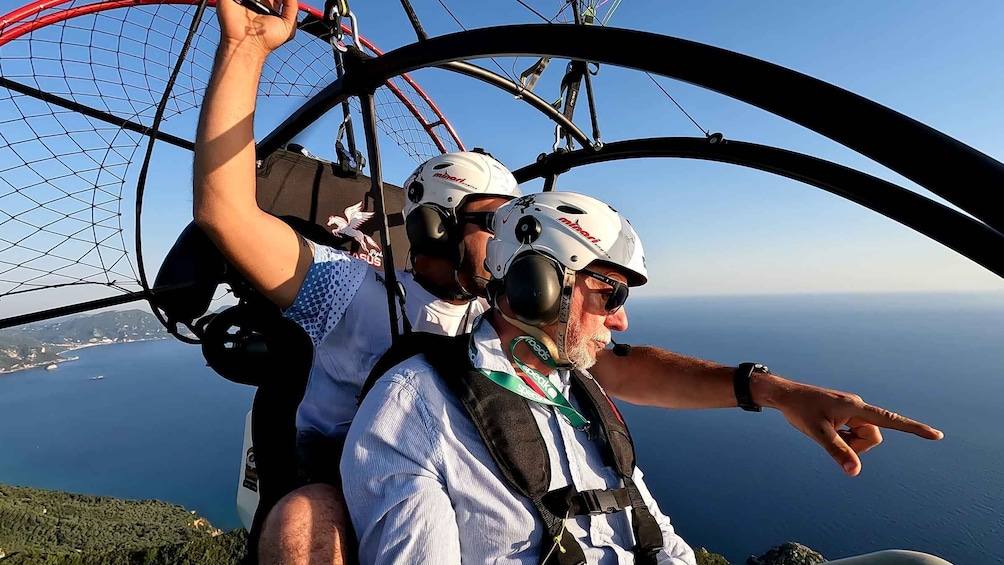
(8, 33)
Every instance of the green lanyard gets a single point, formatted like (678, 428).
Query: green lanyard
(544, 392)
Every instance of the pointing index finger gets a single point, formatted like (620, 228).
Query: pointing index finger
(891, 420)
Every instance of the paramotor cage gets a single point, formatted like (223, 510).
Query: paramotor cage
(79, 84)
(948, 168)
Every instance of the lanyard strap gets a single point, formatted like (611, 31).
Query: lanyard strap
(537, 388)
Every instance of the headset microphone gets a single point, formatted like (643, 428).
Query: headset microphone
(620, 349)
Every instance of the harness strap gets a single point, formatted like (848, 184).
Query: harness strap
(529, 77)
(505, 424)
(619, 442)
(559, 547)
(647, 534)
(567, 500)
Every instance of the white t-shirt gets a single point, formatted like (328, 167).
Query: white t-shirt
(342, 305)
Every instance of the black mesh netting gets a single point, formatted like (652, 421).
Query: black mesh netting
(68, 175)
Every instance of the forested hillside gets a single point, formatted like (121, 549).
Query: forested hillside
(50, 527)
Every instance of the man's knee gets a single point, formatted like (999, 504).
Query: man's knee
(892, 557)
(307, 526)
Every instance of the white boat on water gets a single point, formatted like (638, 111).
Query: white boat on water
(50, 367)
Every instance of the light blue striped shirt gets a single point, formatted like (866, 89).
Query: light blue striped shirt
(421, 486)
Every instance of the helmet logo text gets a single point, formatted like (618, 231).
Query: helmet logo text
(450, 177)
(578, 229)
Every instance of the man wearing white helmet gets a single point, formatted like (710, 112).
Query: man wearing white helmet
(341, 303)
(427, 475)
(338, 299)
(500, 446)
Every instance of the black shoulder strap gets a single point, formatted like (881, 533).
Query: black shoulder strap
(613, 429)
(517, 448)
(507, 427)
(401, 295)
(406, 346)
(647, 533)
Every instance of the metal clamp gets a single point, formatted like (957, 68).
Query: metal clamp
(557, 138)
(336, 11)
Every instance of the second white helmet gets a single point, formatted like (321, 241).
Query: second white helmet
(446, 180)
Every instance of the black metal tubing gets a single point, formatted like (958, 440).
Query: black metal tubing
(92, 113)
(334, 94)
(532, 99)
(945, 166)
(953, 229)
(71, 309)
(368, 111)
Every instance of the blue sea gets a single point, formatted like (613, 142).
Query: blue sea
(161, 425)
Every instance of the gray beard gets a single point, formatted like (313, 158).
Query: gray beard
(580, 357)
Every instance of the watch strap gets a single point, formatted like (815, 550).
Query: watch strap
(741, 384)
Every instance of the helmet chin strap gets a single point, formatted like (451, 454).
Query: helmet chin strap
(442, 291)
(557, 350)
(540, 336)
(464, 293)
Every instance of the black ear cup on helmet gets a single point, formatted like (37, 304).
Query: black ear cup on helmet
(533, 289)
(431, 231)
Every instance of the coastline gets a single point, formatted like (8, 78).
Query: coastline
(74, 347)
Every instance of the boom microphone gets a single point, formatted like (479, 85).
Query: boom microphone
(620, 349)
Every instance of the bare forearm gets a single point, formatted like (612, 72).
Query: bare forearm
(224, 144)
(651, 376)
(273, 257)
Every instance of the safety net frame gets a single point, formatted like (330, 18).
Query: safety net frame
(80, 83)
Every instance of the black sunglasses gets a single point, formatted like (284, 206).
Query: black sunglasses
(481, 219)
(617, 298)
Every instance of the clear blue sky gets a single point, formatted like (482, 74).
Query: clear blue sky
(709, 229)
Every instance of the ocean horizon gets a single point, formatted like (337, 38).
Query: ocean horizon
(161, 425)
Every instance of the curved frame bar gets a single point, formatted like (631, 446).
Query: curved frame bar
(9, 31)
(918, 152)
(953, 229)
(494, 79)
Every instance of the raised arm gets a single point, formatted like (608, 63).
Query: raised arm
(654, 377)
(273, 257)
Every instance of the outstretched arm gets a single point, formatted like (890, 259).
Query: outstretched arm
(654, 377)
(273, 257)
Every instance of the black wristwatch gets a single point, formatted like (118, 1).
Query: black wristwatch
(741, 383)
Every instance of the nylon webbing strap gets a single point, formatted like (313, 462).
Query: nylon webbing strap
(568, 501)
(559, 547)
(620, 445)
(647, 534)
(599, 501)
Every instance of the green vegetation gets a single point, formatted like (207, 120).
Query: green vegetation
(118, 325)
(39, 344)
(17, 352)
(43, 527)
(704, 557)
(56, 528)
(226, 549)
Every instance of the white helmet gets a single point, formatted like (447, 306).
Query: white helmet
(574, 229)
(446, 180)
